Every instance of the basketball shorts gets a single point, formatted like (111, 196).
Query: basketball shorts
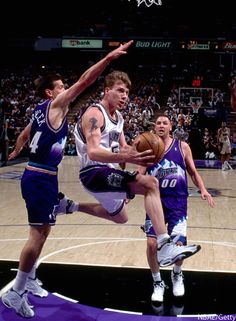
(110, 186)
(40, 192)
(226, 149)
(175, 212)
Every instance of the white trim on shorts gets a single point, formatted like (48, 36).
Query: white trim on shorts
(111, 201)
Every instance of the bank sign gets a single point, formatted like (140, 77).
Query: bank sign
(82, 43)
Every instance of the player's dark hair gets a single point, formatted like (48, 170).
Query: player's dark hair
(46, 82)
(163, 115)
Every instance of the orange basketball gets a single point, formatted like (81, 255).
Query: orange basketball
(148, 140)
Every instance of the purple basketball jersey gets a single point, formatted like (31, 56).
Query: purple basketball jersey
(171, 172)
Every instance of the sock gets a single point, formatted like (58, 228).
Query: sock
(20, 282)
(32, 273)
(66, 205)
(177, 268)
(74, 207)
(162, 239)
(156, 277)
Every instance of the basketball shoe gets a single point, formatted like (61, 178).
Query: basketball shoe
(19, 303)
(39, 281)
(169, 253)
(158, 291)
(33, 287)
(228, 166)
(65, 206)
(177, 283)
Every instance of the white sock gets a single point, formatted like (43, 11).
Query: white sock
(32, 273)
(20, 282)
(162, 239)
(74, 207)
(156, 277)
(177, 268)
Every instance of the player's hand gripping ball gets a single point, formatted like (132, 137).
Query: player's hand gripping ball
(148, 140)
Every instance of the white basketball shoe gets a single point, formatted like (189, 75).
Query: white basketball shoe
(177, 283)
(169, 253)
(65, 206)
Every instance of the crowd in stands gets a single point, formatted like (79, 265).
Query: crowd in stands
(185, 108)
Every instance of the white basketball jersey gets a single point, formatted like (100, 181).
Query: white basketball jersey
(110, 136)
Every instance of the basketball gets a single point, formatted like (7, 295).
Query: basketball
(148, 140)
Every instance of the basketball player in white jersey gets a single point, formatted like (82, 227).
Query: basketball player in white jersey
(101, 146)
(223, 138)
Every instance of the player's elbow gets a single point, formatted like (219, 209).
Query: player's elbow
(92, 154)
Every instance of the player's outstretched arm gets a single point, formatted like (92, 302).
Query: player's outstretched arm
(195, 176)
(20, 142)
(88, 77)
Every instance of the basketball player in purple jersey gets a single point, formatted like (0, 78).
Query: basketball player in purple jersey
(171, 173)
(46, 133)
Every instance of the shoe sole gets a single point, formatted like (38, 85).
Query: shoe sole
(179, 295)
(179, 257)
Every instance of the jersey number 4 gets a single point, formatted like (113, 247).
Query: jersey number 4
(34, 142)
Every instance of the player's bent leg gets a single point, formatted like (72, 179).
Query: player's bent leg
(149, 187)
(118, 212)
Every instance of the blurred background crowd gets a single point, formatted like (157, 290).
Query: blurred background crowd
(181, 65)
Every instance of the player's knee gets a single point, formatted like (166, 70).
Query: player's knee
(120, 218)
(152, 183)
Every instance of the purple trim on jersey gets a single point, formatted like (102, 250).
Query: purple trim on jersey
(48, 121)
(79, 122)
(101, 178)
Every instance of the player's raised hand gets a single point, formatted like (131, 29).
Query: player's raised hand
(121, 50)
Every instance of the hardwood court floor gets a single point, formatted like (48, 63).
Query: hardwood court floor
(83, 239)
(113, 256)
